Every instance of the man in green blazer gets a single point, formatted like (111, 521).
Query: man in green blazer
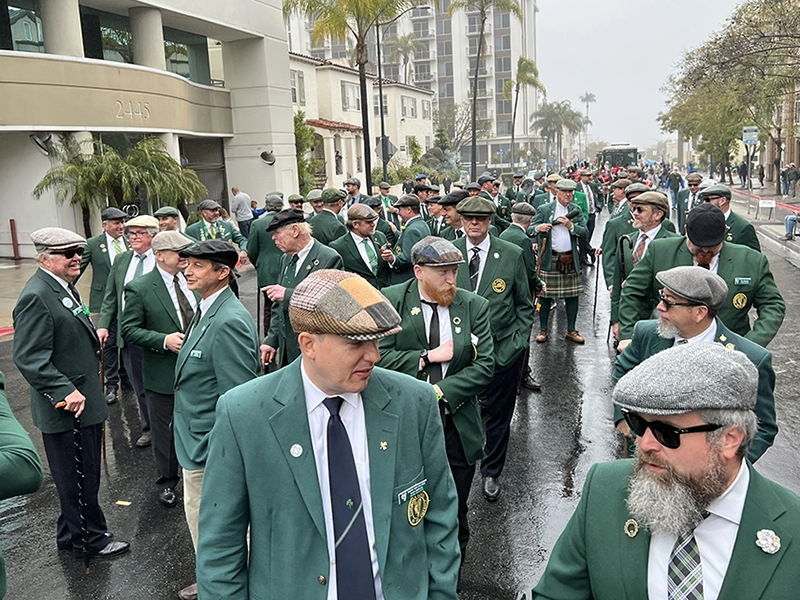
(158, 308)
(302, 256)
(382, 225)
(694, 295)
(495, 270)
(57, 351)
(415, 228)
(745, 271)
(688, 198)
(327, 225)
(388, 211)
(218, 352)
(360, 248)
(490, 190)
(372, 512)
(738, 229)
(264, 254)
(100, 252)
(689, 503)
(452, 351)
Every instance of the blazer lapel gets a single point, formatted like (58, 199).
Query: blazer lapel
(459, 331)
(632, 561)
(490, 268)
(413, 305)
(161, 292)
(382, 426)
(358, 262)
(725, 265)
(199, 329)
(68, 303)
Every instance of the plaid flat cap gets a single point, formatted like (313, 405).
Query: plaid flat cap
(55, 239)
(432, 251)
(361, 212)
(340, 303)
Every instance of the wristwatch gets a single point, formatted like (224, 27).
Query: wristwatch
(423, 354)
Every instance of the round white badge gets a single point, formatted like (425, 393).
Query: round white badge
(67, 302)
(296, 450)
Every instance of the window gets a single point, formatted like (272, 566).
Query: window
(293, 85)
(421, 29)
(502, 64)
(424, 53)
(504, 128)
(377, 105)
(408, 107)
(481, 87)
(444, 5)
(499, 85)
(482, 111)
(446, 69)
(445, 90)
(474, 24)
(504, 107)
(502, 20)
(472, 63)
(502, 42)
(796, 109)
(473, 46)
(298, 83)
(427, 143)
(391, 72)
(445, 48)
(26, 28)
(444, 27)
(351, 96)
(426, 109)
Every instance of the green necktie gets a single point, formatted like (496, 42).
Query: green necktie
(140, 267)
(117, 247)
(289, 274)
(373, 259)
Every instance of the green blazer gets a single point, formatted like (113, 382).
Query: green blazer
(111, 310)
(383, 226)
(747, 273)
(326, 227)
(597, 194)
(261, 474)
(579, 198)
(20, 466)
(345, 246)
(540, 199)
(544, 214)
(57, 351)
(222, 231)
(469, 371)
(502, 216)
(280, 334)
(414, 231)
(627, 254)
(262, 251)
(685, 204)
(436, 226)
(504, 283)
(148, 317)
(220, 352)
(646, 342)
(95, 253)
(517, 236)
(385, 214)
(594, 558)
(741, 231)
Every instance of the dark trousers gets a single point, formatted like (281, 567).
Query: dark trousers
(160, 407)
(585, 242)
(132, 359)
(267, 307)
(499, 399)
(463, 473)
(244, 227)
(61, 452)
(110, 355)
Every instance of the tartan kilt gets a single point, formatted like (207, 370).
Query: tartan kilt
(562, 285)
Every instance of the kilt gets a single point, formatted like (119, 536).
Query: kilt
(561, 285)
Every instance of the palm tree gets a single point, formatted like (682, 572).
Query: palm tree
(552, 119)
(482, 7)
(403, 49)
(527, 75)
(357, 17)
(588, 98)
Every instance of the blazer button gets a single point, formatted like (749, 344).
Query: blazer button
(177, 387)
(322, 580)
(98, 353)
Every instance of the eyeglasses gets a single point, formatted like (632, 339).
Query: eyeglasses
(694, 185)
(137, 233)
(669, 303)
(637, 209)
(68, 254)
(666, 435)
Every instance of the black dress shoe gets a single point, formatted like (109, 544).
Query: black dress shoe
(167, 497)
(144, 440)
(111, 396)
(113, 549)
(491, 489)
(529, 382)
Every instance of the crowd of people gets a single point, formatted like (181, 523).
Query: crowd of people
(383, 370)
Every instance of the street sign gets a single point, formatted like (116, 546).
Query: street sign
(502, 152)
(767, 203)
(750, 135)
(391, 149)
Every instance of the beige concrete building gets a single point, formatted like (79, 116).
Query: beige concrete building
(120, 70)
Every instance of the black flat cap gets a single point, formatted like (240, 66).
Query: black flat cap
(485, 178)
(422, 187)
(286, 217)
(453, 198)
(112, 213)
(372, 201)
(705, 225)
(209, 204)
(216, 250)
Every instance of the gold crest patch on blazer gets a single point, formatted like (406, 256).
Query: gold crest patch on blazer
(417, 507)
(499, 286)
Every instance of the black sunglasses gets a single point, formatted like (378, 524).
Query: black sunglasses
(666, 435)
(669, 303)
(69, 253)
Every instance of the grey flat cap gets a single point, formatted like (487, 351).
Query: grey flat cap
(314, 195)
(473, 186)
(696, 285)
(209, 204)
(687, 378)
(432, 251)
(538, 175)
(716, 190)
(635, 188)
(166, 211)
(112, 213)
(276, 193)
(523, 208)
(566, 185)
(54, 239)
(407, 200)
(171, 240)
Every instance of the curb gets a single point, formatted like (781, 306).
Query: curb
(778, 203)
(6, 331)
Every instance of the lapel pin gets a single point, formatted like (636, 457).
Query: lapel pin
(456, 320)
(67, 302)
(631, 528)
(768, 541)
(497, 255)
(384, 445)
(458, 329)
(415, 311)
(296, 450)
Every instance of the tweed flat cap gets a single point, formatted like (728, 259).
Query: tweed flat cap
(361, 212)
(143, 221)
(167, 211)
(340, 303)
(566, 185)
(485, 179)
(636, 188)
(693, 177)
(171, 240)
(656, 199)
(705, 225)
(696, 285)
(294, 198)
(716, 190)
(689, 377)
(209, 204)
(473, 186)
(523, 208)
(332, 195)
(314, 195)
(112, 213)
(435, 188)
(384, 185)
(352, 181)
(372, 201)
(276, 193)
(475, 205)
(216, 250)
(553, 177)
(407, 200)
(454, 198)
(621, 183)
(49, 239)
(433, 251)
(287, 216)
(538, 175)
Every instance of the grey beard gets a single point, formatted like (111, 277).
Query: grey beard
(668, 332)
(669, 503)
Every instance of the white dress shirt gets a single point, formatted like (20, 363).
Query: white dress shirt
(169, 281)
(484, 255)
(715, 537)
(709, 335)
(301, 256)
(352, 415)
(445, 328)
(206, 303)
(112, 252)
(587, 189)
(560, 235)
(359, 241)
(148, 264)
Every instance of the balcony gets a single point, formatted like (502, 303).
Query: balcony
(421, 14)
(424, 34)
(472, 50)
(423, 56)
(419, 77)
(482, 72)
(476, 29)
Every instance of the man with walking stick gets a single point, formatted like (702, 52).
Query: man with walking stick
(57, 351)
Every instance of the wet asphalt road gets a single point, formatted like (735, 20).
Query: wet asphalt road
(557, 435)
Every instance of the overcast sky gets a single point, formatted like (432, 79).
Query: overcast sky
(623, 52)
